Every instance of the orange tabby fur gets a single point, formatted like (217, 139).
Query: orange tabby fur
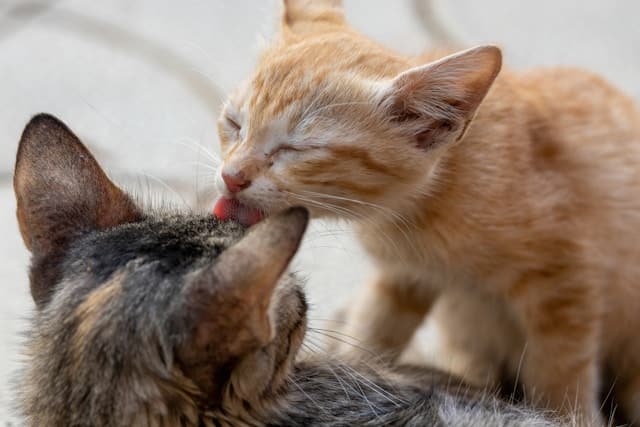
(523, 223)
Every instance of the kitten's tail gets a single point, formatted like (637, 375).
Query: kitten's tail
(433, 24)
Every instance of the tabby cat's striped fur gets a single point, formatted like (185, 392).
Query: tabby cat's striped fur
(146, 318)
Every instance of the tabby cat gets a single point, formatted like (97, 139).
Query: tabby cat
(150, 318)
(511, 199)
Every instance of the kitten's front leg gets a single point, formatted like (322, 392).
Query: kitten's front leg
(385, 315)
(629, 395)
(561, 367)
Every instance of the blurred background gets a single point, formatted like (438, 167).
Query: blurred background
(141, 82)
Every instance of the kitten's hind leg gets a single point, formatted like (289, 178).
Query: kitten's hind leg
(561, 365)
(384, 317)
(477, 337)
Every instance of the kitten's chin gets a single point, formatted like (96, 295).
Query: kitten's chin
(229, 208)
(232, 209)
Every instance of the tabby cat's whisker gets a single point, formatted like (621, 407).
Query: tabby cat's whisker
(319, 319)
(375, 387)
(524, 351)
(609, 393)
(331, 331)
(333, 372)
(293, 381)
(359, 347)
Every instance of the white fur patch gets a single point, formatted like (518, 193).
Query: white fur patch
(452, 413)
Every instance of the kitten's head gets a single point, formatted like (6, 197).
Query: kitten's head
(331, 118)
(146, 318)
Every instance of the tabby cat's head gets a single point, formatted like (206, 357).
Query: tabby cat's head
(331, 118)
(146, 318)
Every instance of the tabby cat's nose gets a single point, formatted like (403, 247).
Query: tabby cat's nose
(235, 181)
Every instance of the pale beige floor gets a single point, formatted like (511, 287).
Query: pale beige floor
(141, 82)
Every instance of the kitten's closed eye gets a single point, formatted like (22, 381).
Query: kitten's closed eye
(233, 124)
(281, 149)
(230, 126)
(290, 149)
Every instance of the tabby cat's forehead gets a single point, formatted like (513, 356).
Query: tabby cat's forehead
(176, 242)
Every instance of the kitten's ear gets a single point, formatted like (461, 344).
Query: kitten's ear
(309, 16)
(61, 192)
(435, 103)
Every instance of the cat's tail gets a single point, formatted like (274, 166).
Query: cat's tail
(432, 22)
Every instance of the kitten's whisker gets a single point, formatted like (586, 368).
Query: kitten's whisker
(213, 169)
(391, 215)
(379, 208)
(213, 156)
(168, 187)
(342, 211)
(332, 208)
(188, 142)
(337, 248)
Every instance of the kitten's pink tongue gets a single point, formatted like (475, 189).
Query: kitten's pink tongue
(226, 209)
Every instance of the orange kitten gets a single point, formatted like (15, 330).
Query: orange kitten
(513, 200)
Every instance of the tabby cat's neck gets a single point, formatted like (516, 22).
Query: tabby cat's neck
(326, 393)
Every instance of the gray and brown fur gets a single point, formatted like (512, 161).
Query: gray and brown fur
(157, 319)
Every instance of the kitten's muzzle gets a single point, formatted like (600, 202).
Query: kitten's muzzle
(235, 182)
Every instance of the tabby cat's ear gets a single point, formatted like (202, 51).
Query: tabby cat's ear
(435, 103)
(228, 304)
(309, 16)
(61, 192)
(245, 277)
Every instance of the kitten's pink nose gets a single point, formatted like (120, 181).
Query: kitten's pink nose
(235, 181)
